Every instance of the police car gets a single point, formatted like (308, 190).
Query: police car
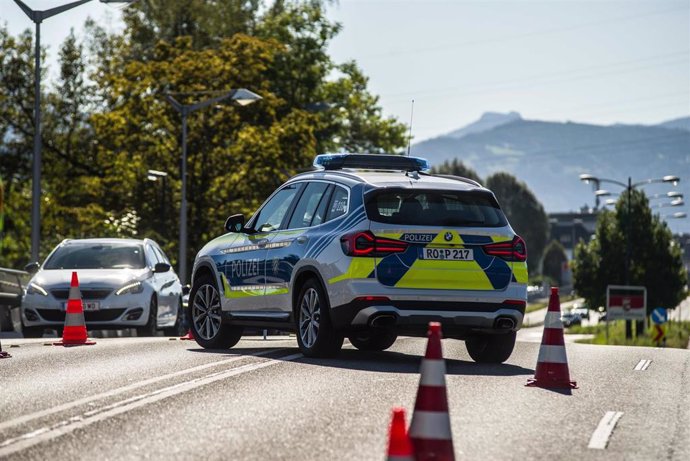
(366, 247)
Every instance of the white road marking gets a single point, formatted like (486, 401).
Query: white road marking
(66, 406)
(643, 365)
(600, 436)
(44, 434)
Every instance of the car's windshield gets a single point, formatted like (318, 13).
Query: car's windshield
(97, 256)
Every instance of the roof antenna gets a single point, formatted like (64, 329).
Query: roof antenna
(409, 137)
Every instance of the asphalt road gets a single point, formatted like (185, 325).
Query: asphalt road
(135, 398)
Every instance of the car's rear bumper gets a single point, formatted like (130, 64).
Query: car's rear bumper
(458, 319)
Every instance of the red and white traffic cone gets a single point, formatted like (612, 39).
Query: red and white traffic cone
(552, 365)
(399, 445)
(74, 331)
(4, 355)
(188, 337)
(430, 428)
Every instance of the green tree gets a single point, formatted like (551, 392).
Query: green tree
(554, 258)
(655, 261)
(456, 168)
(525, 213)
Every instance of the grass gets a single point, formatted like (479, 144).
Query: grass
(677, 334)
(531, 307)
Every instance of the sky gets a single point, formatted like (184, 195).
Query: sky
(597, 61)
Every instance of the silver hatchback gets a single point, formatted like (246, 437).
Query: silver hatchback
(125, 283)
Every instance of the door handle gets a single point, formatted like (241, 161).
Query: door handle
(262, 243)
(302, 239)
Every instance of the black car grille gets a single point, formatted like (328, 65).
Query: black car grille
(105, 315)
(63, 294)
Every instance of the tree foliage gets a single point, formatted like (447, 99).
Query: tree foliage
(655, 258)
(554, 258)
(456, 168)
(524, 212)
(106, 120)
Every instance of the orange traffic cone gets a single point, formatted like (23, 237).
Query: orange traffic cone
(188, 337)
(399, 445)
(74, 332)
(430, 428)
(552, 364)
(4, 355)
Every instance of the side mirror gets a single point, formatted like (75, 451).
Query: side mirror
(234, 223)
(32, 268)
(161, 267)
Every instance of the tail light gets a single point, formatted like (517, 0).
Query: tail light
(510, 251)
(367, 244)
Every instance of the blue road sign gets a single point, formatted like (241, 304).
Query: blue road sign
(659, 316)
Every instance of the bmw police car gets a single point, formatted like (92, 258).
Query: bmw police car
(366, 247)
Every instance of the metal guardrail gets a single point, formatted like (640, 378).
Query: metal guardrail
(12, 283)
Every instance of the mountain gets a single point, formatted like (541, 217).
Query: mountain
(488, 121)
(682, 123)
(549, 156)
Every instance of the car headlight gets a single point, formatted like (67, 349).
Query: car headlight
(130, 288)
(36, 289)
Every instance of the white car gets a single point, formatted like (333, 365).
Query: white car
(124, 283)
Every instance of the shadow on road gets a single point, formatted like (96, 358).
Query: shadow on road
(383, 362)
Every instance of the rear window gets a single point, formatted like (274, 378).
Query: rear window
(434, 208)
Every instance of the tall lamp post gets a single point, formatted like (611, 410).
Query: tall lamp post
(37, 16)
(588, 178)
(241, 97)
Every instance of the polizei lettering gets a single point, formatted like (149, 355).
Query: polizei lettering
(418, 238)
(244, 268)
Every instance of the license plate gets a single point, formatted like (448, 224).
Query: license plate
(448, 254)
(88, 306)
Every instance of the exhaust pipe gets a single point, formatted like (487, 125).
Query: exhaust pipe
(505, 323)
(383, 321)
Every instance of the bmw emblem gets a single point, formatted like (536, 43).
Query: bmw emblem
(448, 237)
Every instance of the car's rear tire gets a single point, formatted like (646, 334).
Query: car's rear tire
(491, 348)
(316, 336)
(151, 327)
(205, 317)
(373, 340)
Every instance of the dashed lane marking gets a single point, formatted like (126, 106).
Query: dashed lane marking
(643, 365)
(602, 434)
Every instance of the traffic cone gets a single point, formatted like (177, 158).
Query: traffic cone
(430, 428)
(4, 355)
(188, 337)
(399, 445)
(74, 332)
(552, 364)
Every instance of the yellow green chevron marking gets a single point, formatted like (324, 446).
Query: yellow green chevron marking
(360, 268)
(239, 292)
(440, 238)
(520, 272)
(445, 275)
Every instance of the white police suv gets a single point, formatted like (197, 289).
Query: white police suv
(367, 247)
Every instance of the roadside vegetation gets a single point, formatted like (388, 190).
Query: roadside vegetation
(677, 335)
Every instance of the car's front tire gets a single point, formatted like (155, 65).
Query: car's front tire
(178, 329)
(491, 348)
(373, 340)
(150, 329)
(316, 336)
(32, 332)
(206, 321)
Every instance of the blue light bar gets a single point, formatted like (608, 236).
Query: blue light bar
(370, 162)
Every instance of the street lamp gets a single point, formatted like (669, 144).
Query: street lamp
(241, 97)
(155, 176)
(588, 178)
(37, 16)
